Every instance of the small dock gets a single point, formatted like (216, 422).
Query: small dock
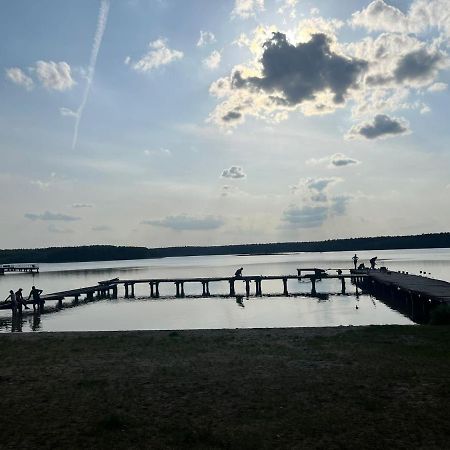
(25, 268)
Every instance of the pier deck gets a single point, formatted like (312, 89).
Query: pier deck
(25, 268)
(421, 286)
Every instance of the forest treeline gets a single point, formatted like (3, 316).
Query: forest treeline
(111, 252)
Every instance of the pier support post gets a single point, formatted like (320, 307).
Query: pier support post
(151, 290)
(343, 285)
(114, 291)
(182, 289)
(204, 288)
(258, 287)
(247, 288)
(126, 290)
(285, 287)
(75, 300)
(132, 290)
(60, 303)
(157, 289)
(177, 286)
(90, 296)
(232, 290)
(313, 286)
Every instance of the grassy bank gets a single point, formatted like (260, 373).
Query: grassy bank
(377, 387)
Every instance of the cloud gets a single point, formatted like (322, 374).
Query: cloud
(55, 76)
(184, 222)
(299, 72)
(160, 151)
(43, 185)
(101, 25)
(288, 6)
(333, 161)
(382, 126)
(305, 217)
(438, 87)
(17, 76)
(418, 65)
(59, 230)
(309, 74)
(67, 112)
(158, 55)
(49, 216)
(82, 205)
(422, 15)
(213, 60)
(101, 228)
(235, 172)
(247, 8)
(315, 203)
(206, 37)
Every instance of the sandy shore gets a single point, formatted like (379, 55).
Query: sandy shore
(361, 387)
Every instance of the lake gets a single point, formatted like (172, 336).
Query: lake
(144, 313)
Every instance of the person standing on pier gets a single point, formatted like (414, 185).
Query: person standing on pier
(238, 273)
(36, 294)
(355, 260)
(373, 261)
(12, 296)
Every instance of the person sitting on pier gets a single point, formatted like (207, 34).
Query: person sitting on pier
(36, 294)
(21, 301)
(361, 266)
(373, 261)
(12, 296)
(238, 273)
(355, 260)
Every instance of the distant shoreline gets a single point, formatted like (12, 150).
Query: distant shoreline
(90, 253)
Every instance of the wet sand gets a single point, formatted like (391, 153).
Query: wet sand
(360, 387)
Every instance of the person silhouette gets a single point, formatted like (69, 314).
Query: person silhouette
(36, 294)
(373, 261)
(355, 260)
(13, 298)
(238, 273)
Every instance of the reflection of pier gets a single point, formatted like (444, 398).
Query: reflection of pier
(25, 268)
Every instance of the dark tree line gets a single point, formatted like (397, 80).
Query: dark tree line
(111, 252)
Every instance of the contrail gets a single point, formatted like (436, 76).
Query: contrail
(101, 25)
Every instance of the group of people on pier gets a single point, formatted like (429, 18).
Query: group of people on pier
(372, 262)
(18, 302)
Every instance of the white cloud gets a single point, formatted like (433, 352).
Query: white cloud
(160, 151)
(213, 60)
(247, 8)
(438, 87)
(54, 75)
(52, 228)
(17, 76)
(288, 6)
(67, 112)
(235, 172)
(158, 55)
(206, 37)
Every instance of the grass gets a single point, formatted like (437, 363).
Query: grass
(363, 387)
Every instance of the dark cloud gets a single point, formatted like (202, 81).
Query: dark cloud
(301, 71)
(232, 115)
(417, 65)
(305, 217)
(235, 172)
(339, 160)
(49, 216)
(184, 222)
(382, 126)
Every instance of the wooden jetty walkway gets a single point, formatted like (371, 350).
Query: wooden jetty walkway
(26, 268)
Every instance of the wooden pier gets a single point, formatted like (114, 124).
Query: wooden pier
(25, 268)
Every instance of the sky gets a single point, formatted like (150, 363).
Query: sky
(174, 122)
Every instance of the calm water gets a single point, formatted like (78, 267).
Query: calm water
(275, 311)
